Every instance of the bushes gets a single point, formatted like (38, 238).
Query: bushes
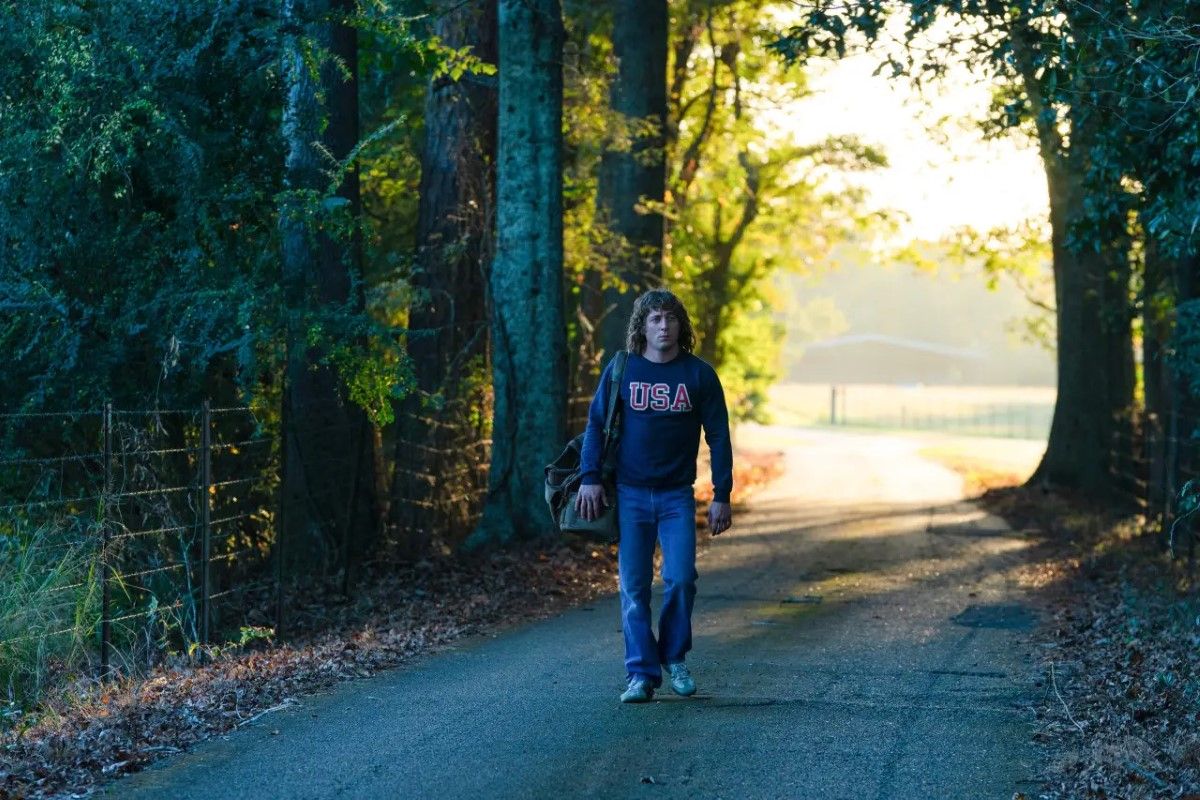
(138, 162)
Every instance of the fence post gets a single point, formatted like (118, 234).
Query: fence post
(1171, 468)
(281, 515)
(352, 506)
(833, 405)
(105, 543)
(206, 521)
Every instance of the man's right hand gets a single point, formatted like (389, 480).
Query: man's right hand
(588, 503)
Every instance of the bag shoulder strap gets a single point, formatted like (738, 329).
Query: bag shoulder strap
(614, 392)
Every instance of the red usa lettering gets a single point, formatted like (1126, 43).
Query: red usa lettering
(658, 397)
(682, 401)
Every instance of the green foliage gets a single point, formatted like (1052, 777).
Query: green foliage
(1109, 90)
(398, 56)
(247, 634)
(142, 187)
(374, 372)
(141, 166)
(753, 354)
(589, 129)
(1019, 255)
(456, 63)
(747, 202)
(137, 162)
(1188, 503)
(49, 603)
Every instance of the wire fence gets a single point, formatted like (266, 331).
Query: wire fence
(1152, 462)
(439, 483)
(440, 468)
(152, 531)
(130, 534)
(991, 411)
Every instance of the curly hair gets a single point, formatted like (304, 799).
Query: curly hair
(658, 300)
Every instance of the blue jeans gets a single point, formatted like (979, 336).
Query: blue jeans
(668, 516)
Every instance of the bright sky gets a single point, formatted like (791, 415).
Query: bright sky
(940, 182)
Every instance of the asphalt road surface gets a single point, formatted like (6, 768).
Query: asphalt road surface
(858, 634)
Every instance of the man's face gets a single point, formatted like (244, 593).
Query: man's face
(662, 330)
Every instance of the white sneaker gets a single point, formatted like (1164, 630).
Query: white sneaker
(681, 679)
(640, 690)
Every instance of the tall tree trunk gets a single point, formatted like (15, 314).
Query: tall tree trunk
(712, 302)
(326, 457)
(629, 177)
(1155, 377)
(438, 446)
(720, 286)
(529, 363)
(1095, 349)
(1182, 462)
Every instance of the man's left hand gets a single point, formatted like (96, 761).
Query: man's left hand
(720, 517)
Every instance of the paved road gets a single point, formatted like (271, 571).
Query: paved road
(858, 636)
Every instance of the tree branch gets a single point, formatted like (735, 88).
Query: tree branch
(751, 206)
(679, 76)
(690, 163)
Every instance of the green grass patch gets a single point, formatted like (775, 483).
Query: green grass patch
(49, 605)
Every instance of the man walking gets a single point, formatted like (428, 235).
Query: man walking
(667, 396)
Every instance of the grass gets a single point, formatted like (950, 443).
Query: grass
(992, 464)
(49, 601)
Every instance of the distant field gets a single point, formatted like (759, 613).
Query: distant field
(1003, 411)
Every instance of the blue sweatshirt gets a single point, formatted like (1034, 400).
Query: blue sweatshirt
(663, 407)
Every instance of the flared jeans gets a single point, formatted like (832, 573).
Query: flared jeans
(668, 516)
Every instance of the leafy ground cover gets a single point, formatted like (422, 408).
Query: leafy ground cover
(1119, 710)
(87, 732)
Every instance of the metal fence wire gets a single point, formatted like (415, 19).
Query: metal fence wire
(997, 412)
(439, 472)
(157, 530)
(153, 533)
(1152, 459)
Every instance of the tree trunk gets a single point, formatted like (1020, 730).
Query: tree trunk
(529, 365)
(1182, 462)
(713, 301)
(639, 93)
(721, 286)
(327, 488)
(1155, 378)
(1088, 440)
(439, 449)
(1095, 347)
